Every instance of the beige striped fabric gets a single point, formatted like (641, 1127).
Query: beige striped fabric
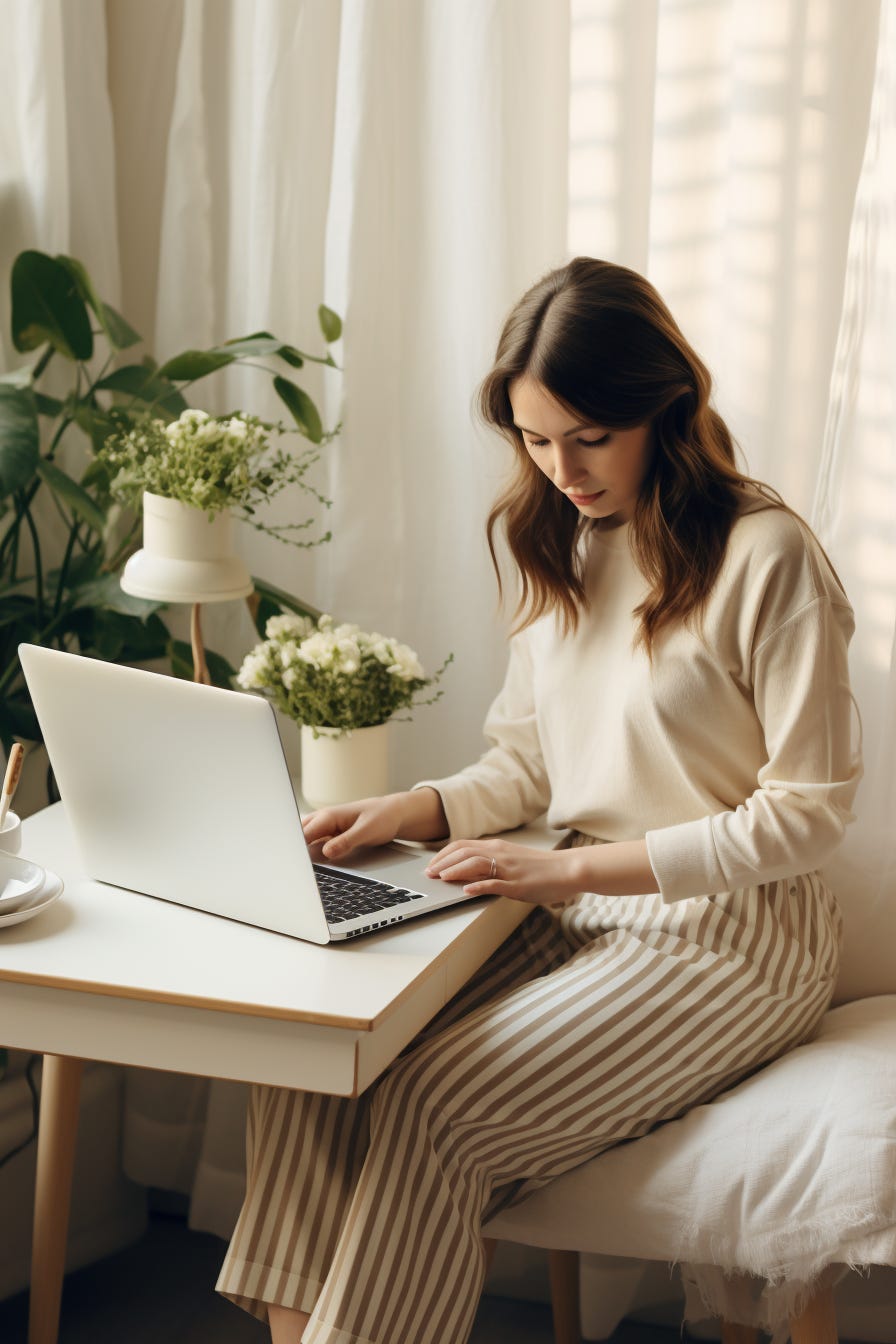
(585, 1028)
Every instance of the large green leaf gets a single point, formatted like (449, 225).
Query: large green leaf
(19, 438)
(47, 307)
(301, 408)
(330, 323)
(144, 383)
(72, 494)
(262, 343)
(119, 638)
(259, 343)
(118, 332)
(50, 406)
(193, 364)
(292, 356)
(107, 593)
(121, 334)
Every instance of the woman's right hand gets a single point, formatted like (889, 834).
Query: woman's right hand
(332, 833)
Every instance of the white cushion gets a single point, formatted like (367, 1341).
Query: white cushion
(793, 1169)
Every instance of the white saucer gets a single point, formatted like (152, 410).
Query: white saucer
(19, 879)
(35, 904)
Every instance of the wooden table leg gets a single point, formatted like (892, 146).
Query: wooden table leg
(563, 1268)
(59, 1096)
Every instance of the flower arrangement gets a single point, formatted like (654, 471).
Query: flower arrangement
(335, 676)
(208, 462)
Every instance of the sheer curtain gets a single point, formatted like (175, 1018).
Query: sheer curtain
(225, 165)
(855, 515)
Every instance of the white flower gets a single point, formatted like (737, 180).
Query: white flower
(297, 626)
(407, 665)
(254, 671)
(330, 675)
(381, 650)
(317, 650)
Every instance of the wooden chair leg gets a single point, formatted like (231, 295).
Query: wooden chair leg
(564, 1271)
(817, 1322)
(739, 1334)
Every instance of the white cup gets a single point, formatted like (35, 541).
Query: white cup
(11, 833)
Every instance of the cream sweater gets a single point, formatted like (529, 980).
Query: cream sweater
(731, 755)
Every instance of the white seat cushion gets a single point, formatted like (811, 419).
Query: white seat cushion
(792, 1170)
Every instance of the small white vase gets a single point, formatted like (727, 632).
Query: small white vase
(185, 557)
(340, 769)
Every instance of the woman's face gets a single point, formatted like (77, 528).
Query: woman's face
(600, 470)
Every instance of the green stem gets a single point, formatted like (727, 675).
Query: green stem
(110, 565)
(42, 637)
(91, 389)
(12, 537)
(63, 572)
(38, 565)
(42, 363)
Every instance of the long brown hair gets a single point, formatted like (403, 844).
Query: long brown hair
(599, 338)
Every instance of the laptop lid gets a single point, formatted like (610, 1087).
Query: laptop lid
(176, 790)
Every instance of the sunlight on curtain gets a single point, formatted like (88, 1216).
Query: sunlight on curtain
(715, 146)
(855, 514)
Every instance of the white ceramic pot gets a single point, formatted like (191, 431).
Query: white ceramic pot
(341, 769)
(185, 557)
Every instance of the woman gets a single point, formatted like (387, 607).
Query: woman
(677, 698)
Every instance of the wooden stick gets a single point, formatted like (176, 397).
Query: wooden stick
(817, 1322)
(11, 779)
(200, 667)
(564, 1273)
(59, 1094)
(738, 1334)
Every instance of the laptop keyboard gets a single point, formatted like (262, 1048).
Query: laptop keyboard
(346, 897)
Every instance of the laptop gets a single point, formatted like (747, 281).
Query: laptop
(181, 791)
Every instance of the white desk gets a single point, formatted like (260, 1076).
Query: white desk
(110, 975)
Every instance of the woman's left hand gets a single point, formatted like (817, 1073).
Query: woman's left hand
(539, 876)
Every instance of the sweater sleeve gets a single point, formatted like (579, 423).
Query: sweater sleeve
(508, 786)
(796, 817)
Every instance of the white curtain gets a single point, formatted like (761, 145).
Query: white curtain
(225, 165)
(855, 515)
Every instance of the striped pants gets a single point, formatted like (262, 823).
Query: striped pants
(582, 1030)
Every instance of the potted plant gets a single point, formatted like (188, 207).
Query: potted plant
(76, 601)
(190, 476)
(343, 686)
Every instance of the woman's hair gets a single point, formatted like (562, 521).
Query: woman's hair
(599, 338)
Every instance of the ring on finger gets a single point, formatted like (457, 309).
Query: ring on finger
(493, 869)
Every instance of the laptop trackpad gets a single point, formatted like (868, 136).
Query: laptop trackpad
(394, 864)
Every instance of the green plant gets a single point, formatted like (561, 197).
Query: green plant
(78, 603)
(335, 676)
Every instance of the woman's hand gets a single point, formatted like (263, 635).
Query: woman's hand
(539, 876)
(546, 876)
(332, 833)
